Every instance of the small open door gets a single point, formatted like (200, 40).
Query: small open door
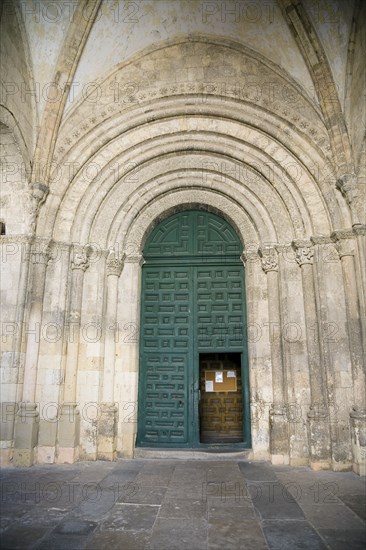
(221, 407)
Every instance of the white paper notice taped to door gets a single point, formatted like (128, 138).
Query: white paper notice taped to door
(219, 377)
(231, 374)
(209, 385)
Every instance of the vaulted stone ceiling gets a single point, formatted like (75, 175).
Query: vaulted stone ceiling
(70, 46)
(120, 31)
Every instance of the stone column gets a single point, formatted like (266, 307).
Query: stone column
(346, 249)
(318, 418)
(278, 421)
(360, 232)
(69, 420)
(107, 422)
(26, 422)
(260, 375)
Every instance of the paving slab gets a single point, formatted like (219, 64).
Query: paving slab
(118, 541)
(183, 508)
(185, 534)
(357, 503)
(332, 516)
(18, 537)
(341, 539)
(131, 517)
(181, 504)
(294, 535)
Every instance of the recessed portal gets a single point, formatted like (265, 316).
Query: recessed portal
(221, 405)
(193, 381)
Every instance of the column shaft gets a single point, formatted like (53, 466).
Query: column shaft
(312, 336)
(40, 261)
(77, 279)
(110, 343)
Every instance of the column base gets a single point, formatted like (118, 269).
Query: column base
(319, 438)
(129, 439)
(278, 434)
(107, 432)
(25, 435)
(45, 455)
(68, 434)
(358, 439)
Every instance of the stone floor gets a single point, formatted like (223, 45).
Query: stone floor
(182, 504)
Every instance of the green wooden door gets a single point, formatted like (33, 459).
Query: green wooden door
(192, 302)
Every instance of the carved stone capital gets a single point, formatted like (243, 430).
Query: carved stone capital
(304, 252)
(114, 264)
(345, 248)
(269, 259)
(359, 229)
(36, 197)
(249, 256)
(347, 185)
(80, 259)
(40, 255)
(344, 242)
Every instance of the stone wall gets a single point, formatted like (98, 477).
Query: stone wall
(194, 121)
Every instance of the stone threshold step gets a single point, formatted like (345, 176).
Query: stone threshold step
(185, 454)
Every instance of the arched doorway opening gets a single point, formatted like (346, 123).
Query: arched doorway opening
(193, 376)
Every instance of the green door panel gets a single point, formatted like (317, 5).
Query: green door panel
(192, 301)
(164, 355)
(201, 235)
(219, 308)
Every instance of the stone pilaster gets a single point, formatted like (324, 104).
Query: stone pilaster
(358, 434)
(346, 245)
(260, 393)
(130, 287)
(26, 435)
(278, 422)
(107, 432)
(360, 233)
(107, 422)
(318, 417)
(69, 421)
(9, 408)
(27, 414)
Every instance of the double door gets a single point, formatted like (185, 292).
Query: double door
(188, 311)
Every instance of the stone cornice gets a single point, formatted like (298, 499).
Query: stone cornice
(342, 234)
(134, 259)
(321, 239)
